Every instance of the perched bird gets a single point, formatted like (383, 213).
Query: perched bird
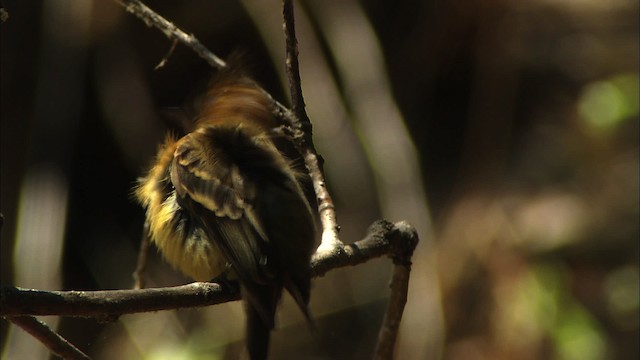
(224, 197)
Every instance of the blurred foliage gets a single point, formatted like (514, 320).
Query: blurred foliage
(524, 117)
(605, 104)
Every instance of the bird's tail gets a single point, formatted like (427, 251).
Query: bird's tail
(300, 289)
(260, 308)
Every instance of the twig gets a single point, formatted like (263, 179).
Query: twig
(381, 239)
(166, 57)
(141, 266)
(49, 338)
(402, 247)
(313, 162)
(292, 66)
(151, 18)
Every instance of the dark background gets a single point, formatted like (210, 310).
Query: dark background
(523, 117)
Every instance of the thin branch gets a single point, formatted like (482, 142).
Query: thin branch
(164, 60)
(381, 239)
(291, 64)
(49, 338)
(313, 161)
(138, 274)
(151, 18)
(401, 253)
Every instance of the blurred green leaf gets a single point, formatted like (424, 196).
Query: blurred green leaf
(605, 104)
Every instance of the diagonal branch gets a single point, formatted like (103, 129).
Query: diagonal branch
(164, 60)
(49, 338)
(153, 19)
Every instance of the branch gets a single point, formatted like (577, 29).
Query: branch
(49, 338)
(401, 253)
(313, 161)
(151, 18)
(292, 68)
(108, 305)
(382, 238)
(141, 267)
(164, 60)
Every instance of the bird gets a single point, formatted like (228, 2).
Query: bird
(224, 200)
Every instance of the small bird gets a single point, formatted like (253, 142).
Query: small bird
(223, 197)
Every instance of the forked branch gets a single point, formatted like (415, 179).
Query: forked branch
(383, 238)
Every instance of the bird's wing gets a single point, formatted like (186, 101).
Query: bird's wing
(210, 183)
(252, 207)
